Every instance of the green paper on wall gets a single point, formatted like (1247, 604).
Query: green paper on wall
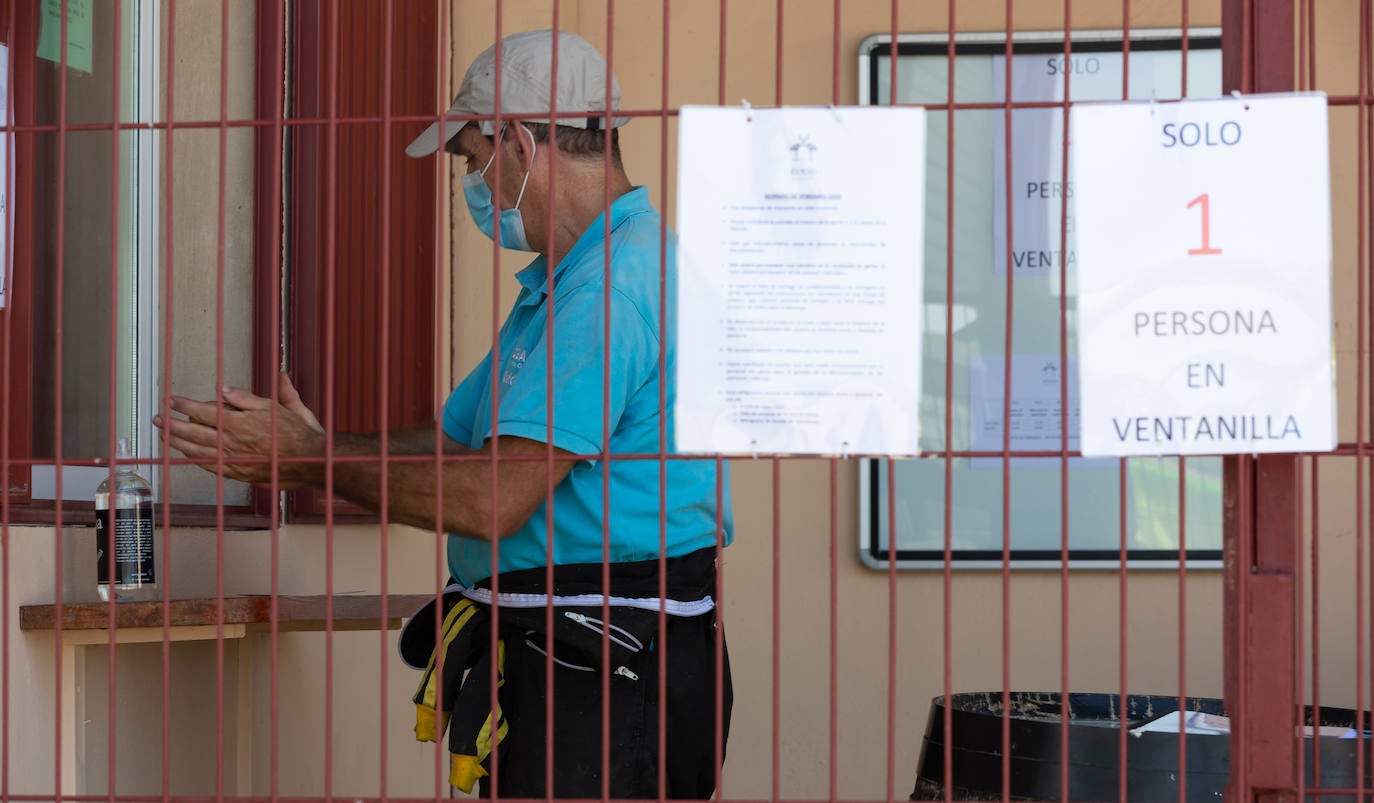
(78, 33)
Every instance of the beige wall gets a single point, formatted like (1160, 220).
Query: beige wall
(357, 664)
(1332, 600)
(801, 548)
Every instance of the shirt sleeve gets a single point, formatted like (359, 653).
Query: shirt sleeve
(574, 398)
(462, 403)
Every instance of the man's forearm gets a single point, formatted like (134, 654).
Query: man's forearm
(418, 439)
(414, 488)
(454, 496)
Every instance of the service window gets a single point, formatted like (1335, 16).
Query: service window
(106, 286)
(189, 214)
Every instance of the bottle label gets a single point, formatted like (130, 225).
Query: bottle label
(133, 545)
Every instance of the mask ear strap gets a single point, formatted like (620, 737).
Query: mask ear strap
(495, 143)
(534, 148)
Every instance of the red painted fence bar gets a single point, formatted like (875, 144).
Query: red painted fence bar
(212, 193)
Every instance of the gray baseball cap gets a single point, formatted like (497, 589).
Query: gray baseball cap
(526, 66)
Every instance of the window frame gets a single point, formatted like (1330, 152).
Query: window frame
(352, 386)
(288, 284)
(874, 530)
(138, 242)
(16, 324)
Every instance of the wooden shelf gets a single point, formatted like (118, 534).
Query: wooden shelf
(294, 613)
(87, 624)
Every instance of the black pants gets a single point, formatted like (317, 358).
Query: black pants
(689, 762)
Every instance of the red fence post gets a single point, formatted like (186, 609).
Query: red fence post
(1261, 517)
(1261, 502)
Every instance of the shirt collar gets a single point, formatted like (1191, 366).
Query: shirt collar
(534, 277)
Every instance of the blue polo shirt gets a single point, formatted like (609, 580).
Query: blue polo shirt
(579, 404)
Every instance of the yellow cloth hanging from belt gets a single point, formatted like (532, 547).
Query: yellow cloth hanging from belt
(466, 709)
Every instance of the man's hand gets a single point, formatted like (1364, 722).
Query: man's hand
(239, 426)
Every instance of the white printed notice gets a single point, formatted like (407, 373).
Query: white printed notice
(1038, 189)
(799, 302)
(1204, 276)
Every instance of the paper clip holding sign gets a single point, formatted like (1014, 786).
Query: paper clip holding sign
(748, 110)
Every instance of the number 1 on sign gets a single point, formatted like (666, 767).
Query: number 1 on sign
(1204, 201)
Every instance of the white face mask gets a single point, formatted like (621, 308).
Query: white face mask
(483, 209)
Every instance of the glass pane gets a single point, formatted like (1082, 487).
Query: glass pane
(100, 308)
(75, 229)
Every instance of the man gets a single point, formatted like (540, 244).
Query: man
(566, 397)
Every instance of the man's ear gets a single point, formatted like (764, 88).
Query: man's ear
(525, 146)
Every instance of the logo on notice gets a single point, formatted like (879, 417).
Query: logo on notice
(803, 157)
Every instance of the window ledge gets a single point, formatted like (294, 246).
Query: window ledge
(305, 613)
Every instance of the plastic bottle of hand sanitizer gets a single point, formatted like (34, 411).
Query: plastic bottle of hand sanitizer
(124, 523)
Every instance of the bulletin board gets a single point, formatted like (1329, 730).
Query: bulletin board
(1012, 508)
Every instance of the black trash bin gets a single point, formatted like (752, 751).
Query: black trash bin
(1036, 760)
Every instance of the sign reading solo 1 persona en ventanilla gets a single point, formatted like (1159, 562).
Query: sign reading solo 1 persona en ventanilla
(1204, 276)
